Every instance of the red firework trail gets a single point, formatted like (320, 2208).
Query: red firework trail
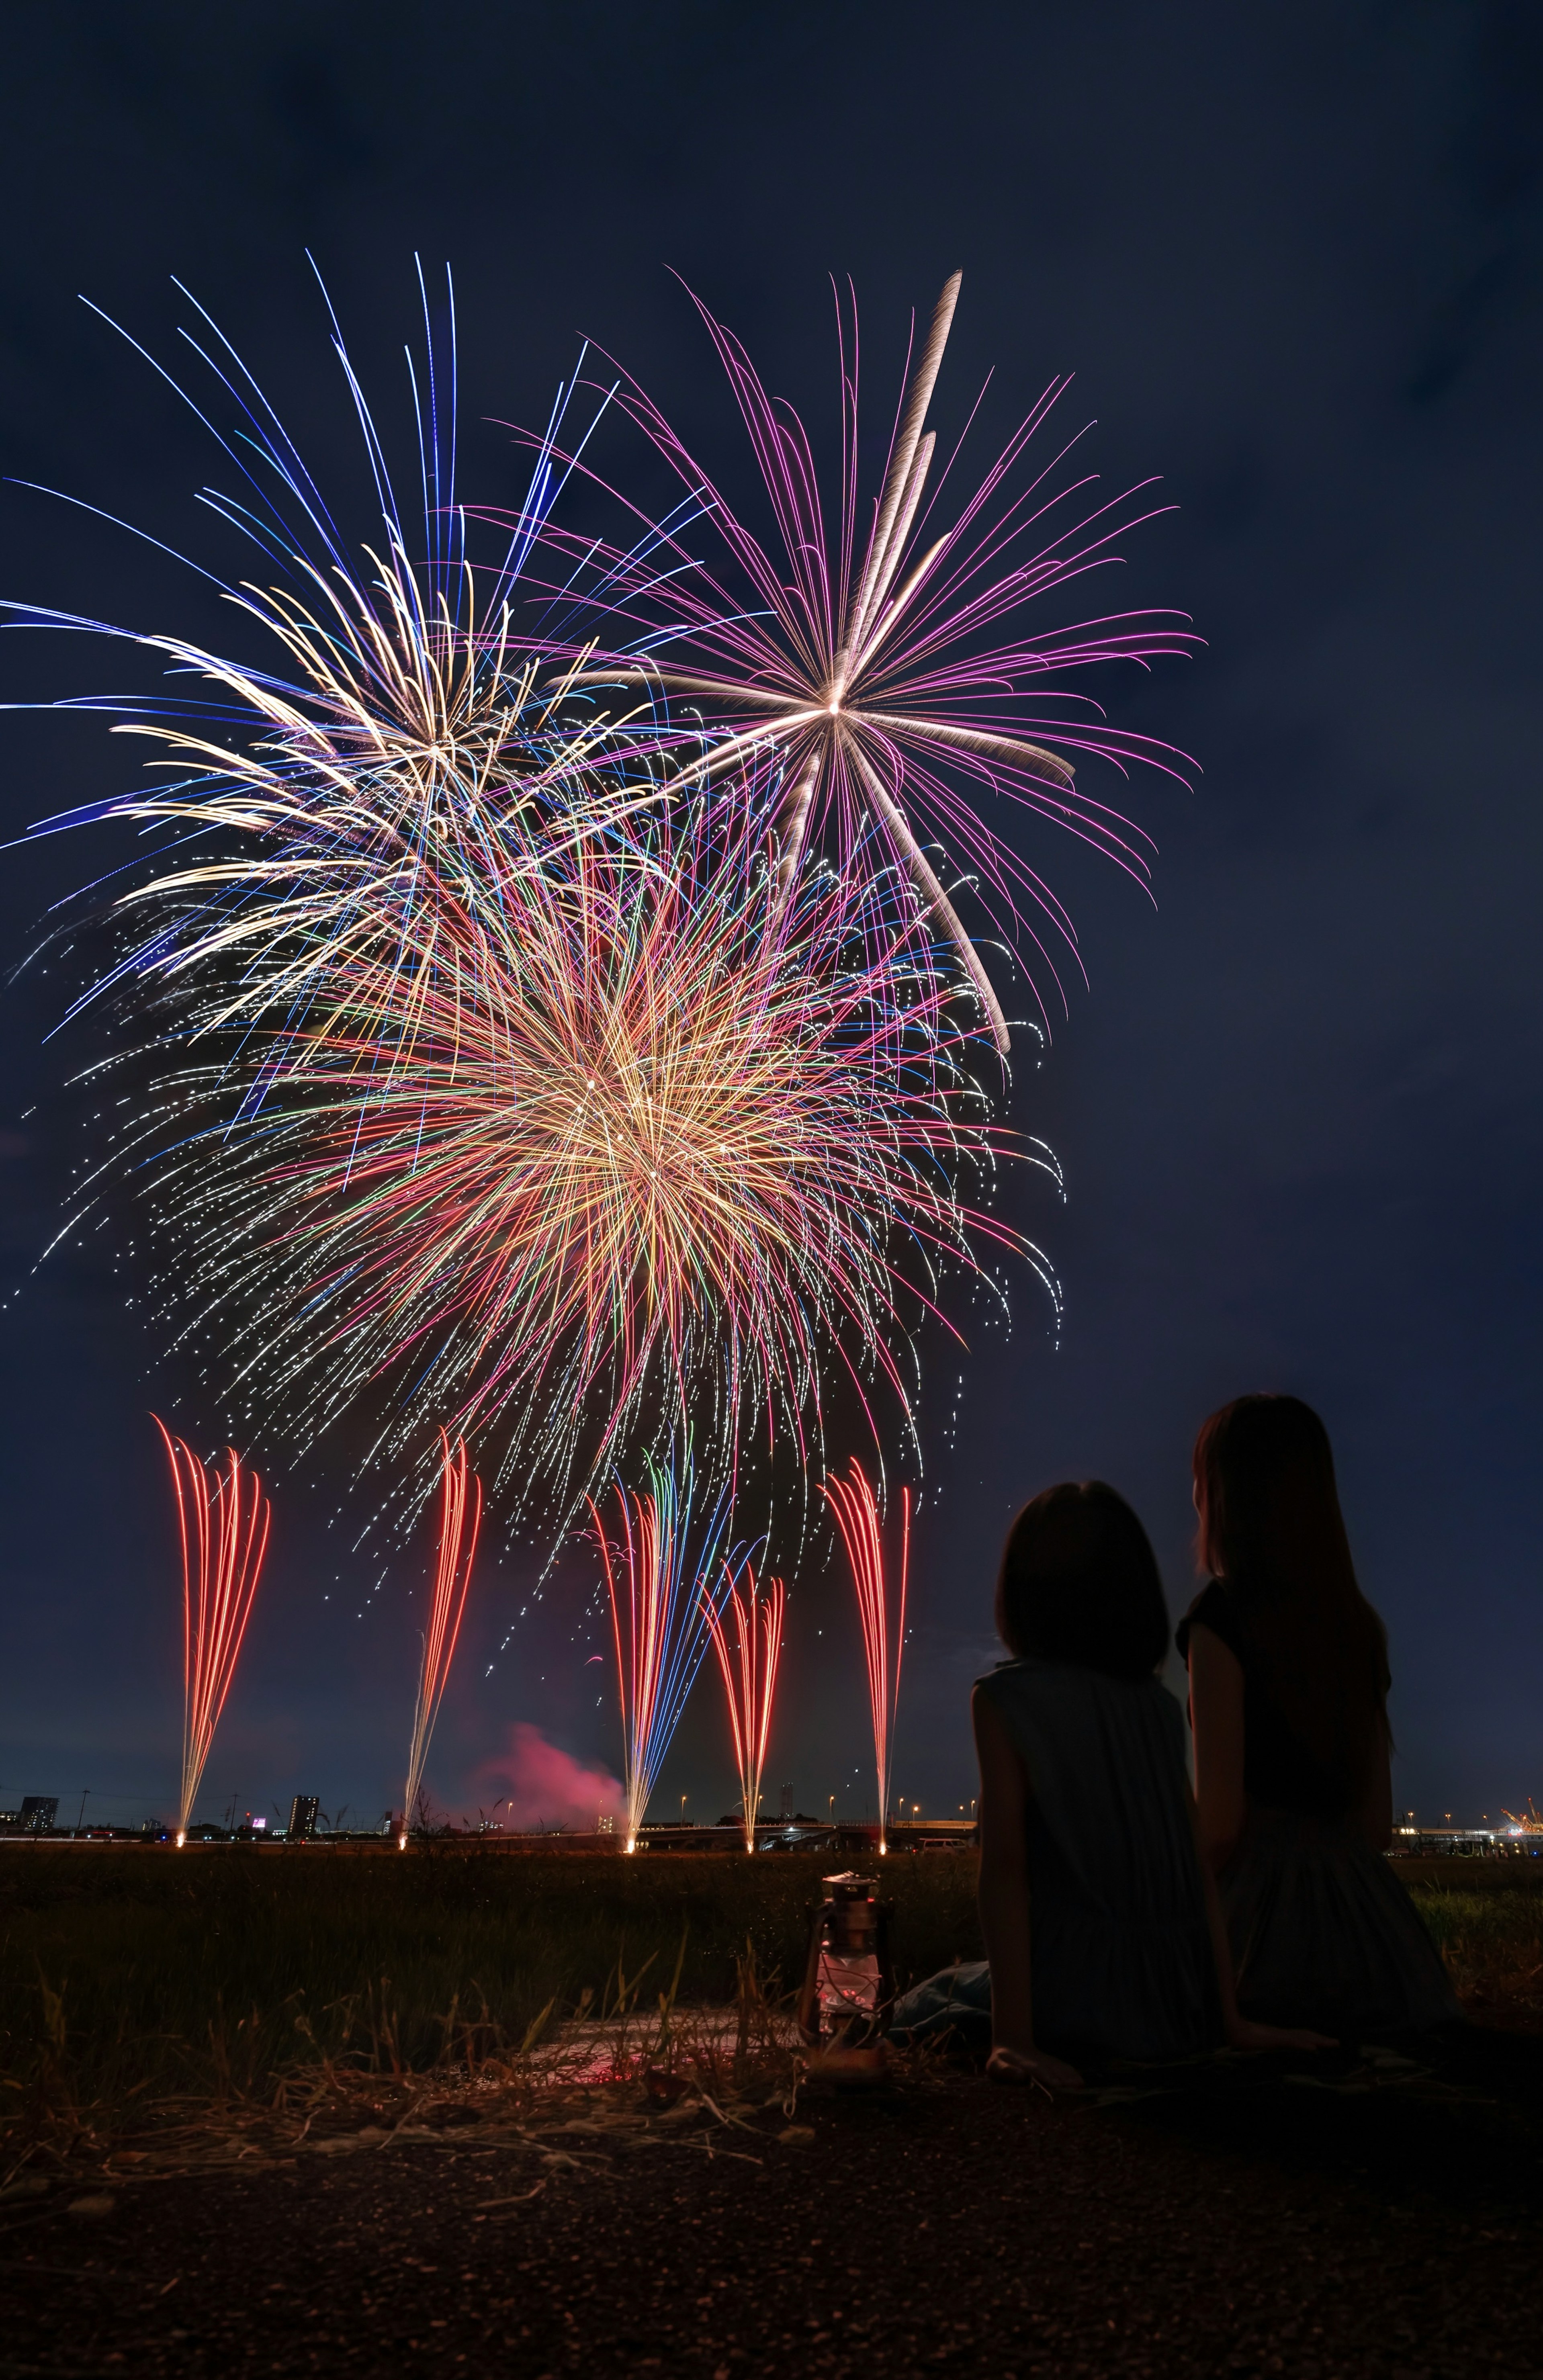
(749, 1678)
(222, 1527)
(457, 1551)
(857, 1510)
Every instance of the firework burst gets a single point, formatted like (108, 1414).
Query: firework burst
(223, 1532)
(634, 1162)
(512, 1084)
(329, 815)
(875, 664)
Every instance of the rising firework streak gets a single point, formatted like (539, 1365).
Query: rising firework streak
(223, 1531)
(659, 1606)
(856, 1507)
(749, 1671)
(460, 1518)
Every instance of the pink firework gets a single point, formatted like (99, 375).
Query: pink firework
(750, 1669)
(886, 661)
(223, 1529)
(857, 1510)
(460, 1519)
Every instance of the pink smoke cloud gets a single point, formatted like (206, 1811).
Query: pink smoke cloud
(543, 1785)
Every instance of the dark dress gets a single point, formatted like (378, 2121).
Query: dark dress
(1122, 1959)
(1322, 1932)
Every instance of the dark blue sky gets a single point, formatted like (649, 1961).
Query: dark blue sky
(1292, 253)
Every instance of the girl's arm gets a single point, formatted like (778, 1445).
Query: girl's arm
(1004, 1907)
(1216, 1718)
(1241, 2031)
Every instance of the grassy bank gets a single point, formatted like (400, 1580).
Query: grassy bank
(1488, 1926)
(144, 1975)
(220, 1971)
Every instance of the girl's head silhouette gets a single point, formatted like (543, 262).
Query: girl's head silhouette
(1079, 1582)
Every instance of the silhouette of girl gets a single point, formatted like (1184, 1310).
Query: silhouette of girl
(1288, 1684)
(1103, 1932)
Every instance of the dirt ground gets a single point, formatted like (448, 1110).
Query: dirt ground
(1349, 2216)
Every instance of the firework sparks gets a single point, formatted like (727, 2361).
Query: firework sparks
(325, 815)
(518, 1083)
(658, 1618)
(856, 1510)
(641, 1159)
(223, 1531)
(512, 1098)
(750, 1671)
(460, 1518)
(867, 666)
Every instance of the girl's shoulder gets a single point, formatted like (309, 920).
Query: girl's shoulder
(1027, 1684)
(1030, 1670)
(1082, 1734)
(1215, 1607)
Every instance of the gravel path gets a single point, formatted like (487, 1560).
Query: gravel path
(1350, 2217)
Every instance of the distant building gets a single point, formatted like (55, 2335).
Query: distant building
(302, 1816)
(784, 1802)
(39, 1811)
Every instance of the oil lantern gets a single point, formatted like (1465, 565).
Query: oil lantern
(848, 1981)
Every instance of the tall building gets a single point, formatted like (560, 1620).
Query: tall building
(39, 1811)
(302, 1816)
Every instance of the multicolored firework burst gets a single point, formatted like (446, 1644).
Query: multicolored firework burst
(871, 659)
(749, 1673)
(327, 818)
(509, 1080)
(630, 1163)
(223, 1531)
(460, 1519)
(881, 1607)
(660, 1600)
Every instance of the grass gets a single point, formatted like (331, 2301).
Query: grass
(148, 1975)
(135, 1979)
(1489, 1928)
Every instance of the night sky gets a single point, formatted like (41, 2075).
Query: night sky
(1292, 253)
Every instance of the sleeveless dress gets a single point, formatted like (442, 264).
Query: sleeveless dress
(1322, 1932)
(1121, 1953)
